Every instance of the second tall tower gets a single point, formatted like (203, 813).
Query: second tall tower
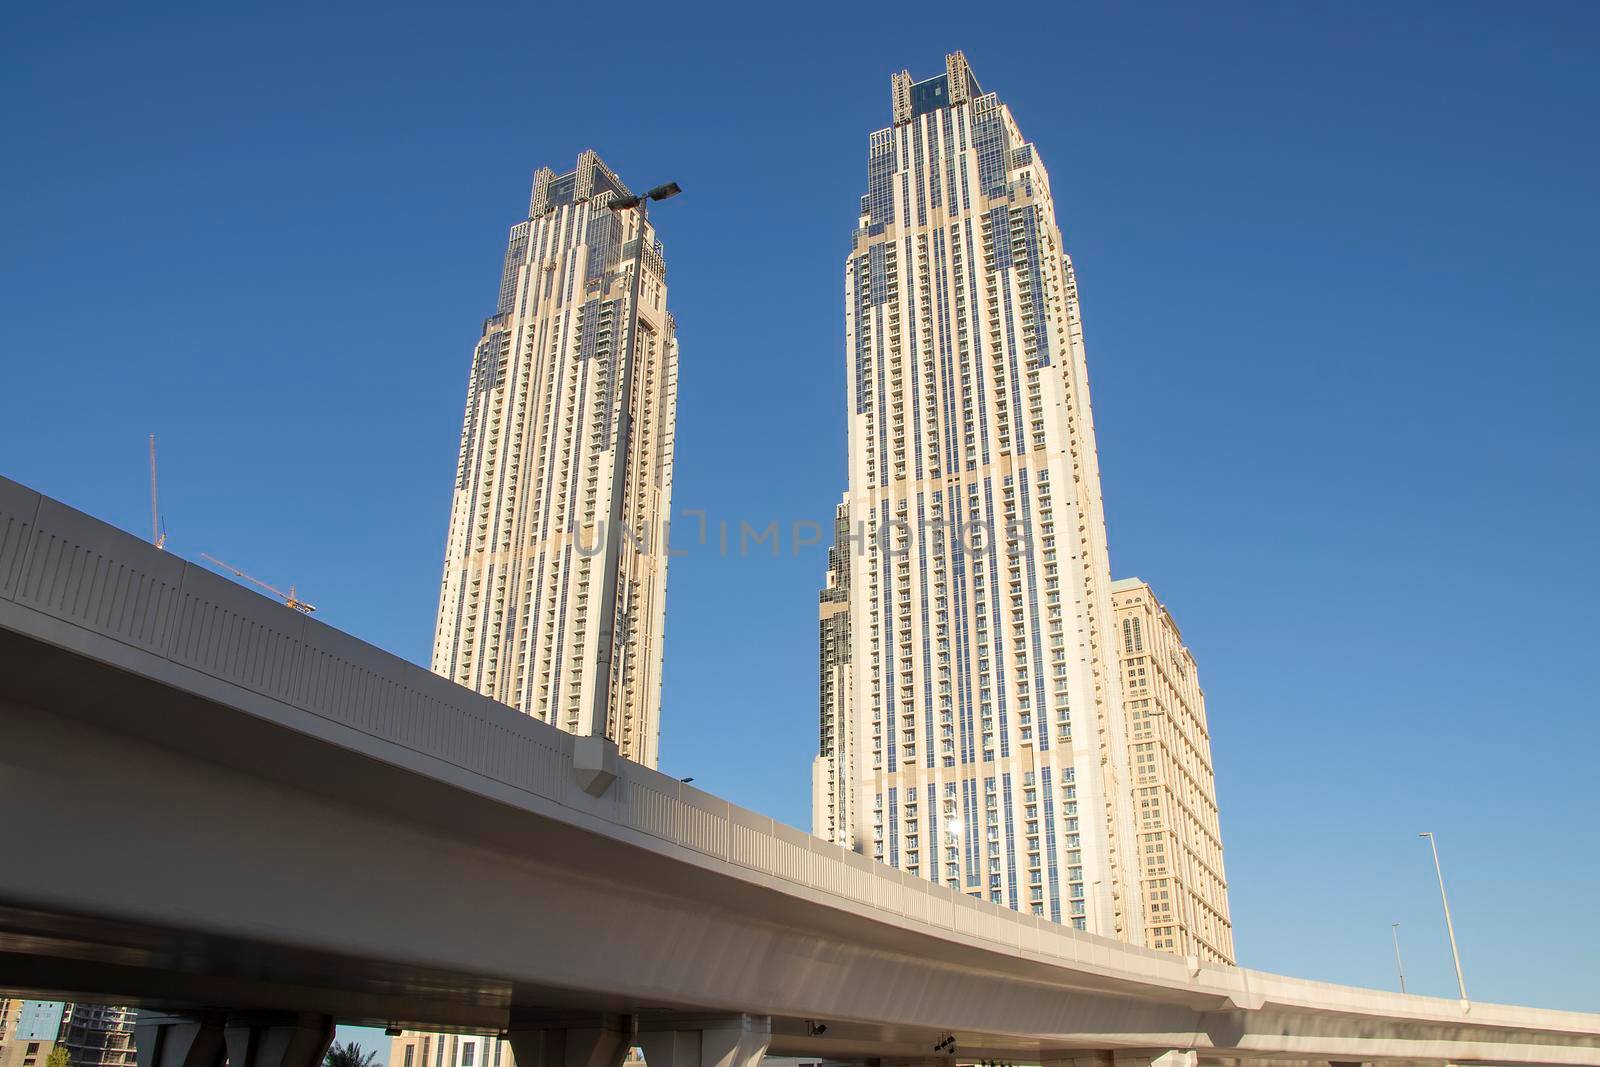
(988, 743)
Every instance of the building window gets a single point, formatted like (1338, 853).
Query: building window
(466, 1054)
(411, 1052)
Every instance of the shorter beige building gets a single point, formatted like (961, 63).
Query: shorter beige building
(414, 1048)
(1181, 880)
(26, 1053)
(28, 1031)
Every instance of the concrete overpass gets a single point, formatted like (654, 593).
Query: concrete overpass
(220, 808)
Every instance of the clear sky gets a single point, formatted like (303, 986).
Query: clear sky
(1339, 282)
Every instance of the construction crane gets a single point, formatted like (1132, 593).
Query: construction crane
(158, 533)
(288, 598)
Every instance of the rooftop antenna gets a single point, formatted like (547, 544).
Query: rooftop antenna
(158, 534)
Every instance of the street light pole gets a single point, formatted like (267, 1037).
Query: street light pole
(622, 388)
(1449, 926)
(1394, 931)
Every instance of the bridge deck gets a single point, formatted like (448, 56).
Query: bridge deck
(231, 804)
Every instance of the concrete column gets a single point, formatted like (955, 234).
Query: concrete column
(278, 1040)
(165, 1040)
(1156, 1058)
(727, 1041)
(600, 1041)
(1123, 1058)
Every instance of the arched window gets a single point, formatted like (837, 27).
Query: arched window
(1138, 638)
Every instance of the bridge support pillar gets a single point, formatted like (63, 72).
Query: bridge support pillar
(601, 1041)
(1168, 1058)
(728, 1041)
(1125, 1058)
(163, 1040)
(278, 1040)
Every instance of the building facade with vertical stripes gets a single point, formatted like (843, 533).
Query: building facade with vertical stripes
(1182, 881)
(833, 782)
(520, 618)
(520, 603)
(989, 744)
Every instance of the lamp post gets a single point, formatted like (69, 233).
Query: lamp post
(622, 384)
(1394, 931)
(1449, 926)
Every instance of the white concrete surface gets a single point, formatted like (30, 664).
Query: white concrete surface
(284, 794)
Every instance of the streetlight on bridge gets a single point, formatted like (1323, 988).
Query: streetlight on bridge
(610, 567)
(1449, 926)
(1394, 931)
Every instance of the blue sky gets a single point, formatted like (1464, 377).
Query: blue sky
(1339, 285)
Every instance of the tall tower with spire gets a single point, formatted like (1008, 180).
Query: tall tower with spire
(552, 397)
(988, 741)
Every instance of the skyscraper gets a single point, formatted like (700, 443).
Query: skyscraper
(989, 747)
(563, 432)
(1182, 884)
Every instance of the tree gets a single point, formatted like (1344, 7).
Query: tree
(349, 1054)
(58, 1057)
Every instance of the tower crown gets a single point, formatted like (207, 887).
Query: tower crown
(955, 86)
(590, 176)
